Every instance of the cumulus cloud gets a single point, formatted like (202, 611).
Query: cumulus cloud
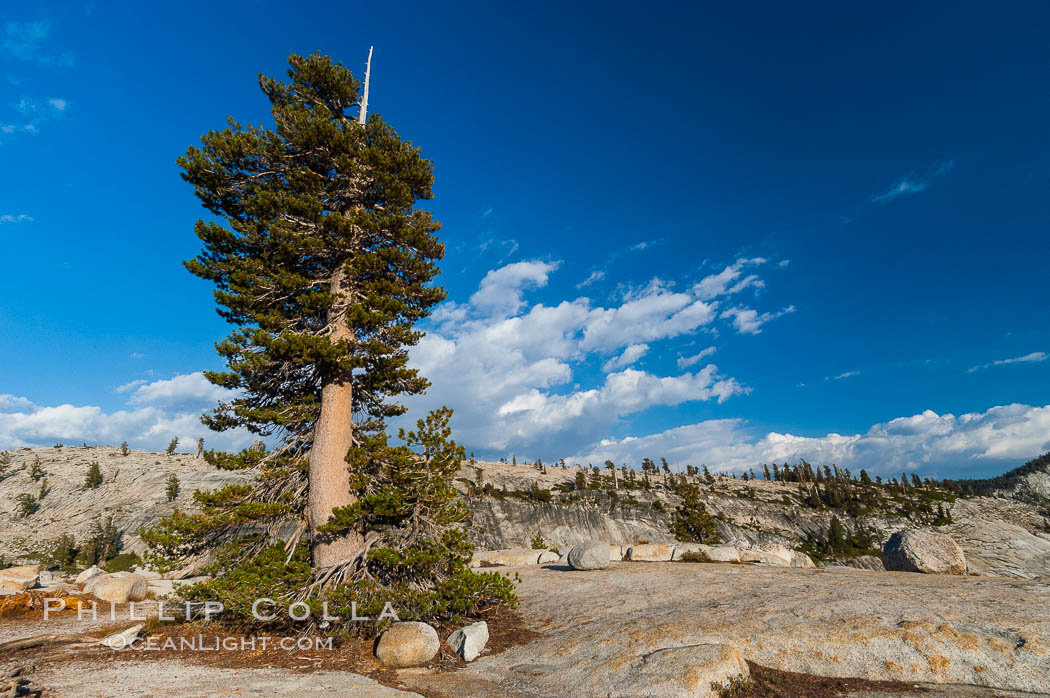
(156, 412)
(631, 354)
(501, 290)
(1034, 357)
(941, 445)
(729, 281)
(914, 184)
(517, 376)
(750, 321)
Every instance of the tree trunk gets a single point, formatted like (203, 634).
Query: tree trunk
(333, 437)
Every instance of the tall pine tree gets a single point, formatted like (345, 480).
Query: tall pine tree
(323, 264)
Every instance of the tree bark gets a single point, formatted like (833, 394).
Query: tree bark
(333, 437)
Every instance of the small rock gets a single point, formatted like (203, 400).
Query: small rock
(916, 550)
(89, 574)
(468, 641)
(119, 641)
(407, 644)
(593, 555)
(119, 587)
(772, 555)
(651, 552)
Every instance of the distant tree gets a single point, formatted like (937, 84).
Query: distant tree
(691, 521)
(865, 479)
(172, 445)
(581, 480)
(43, 490)
(124, 450)
(707, 476)
(200, 447)
(611, 467)
(35, 470)
(765, 472)
(172, 490)
(93, 478)
(26, 504)
(836, 535)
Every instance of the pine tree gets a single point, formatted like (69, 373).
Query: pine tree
(691, 522)
(172, 490)
(35, 471)
(93, 478)
(323, 265)
(172, 445)
(124, 450)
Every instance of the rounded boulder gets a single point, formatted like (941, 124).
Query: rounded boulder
(917, 550)
(407, 644)
(592, 555)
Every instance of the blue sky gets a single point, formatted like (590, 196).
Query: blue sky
(863, 188)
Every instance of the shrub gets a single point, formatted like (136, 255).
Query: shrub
(43, 490)
(538, 543)
(172, 445)
(35, 471)
(124, 450)
(94, 476)
(695, 556)
(27, 504)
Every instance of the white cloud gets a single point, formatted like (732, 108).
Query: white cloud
(913, 185)
(594, 277)
(749, 321)
(941, 445)
(130, 386)
(720, 283)
(783, 263)
(1034, 357)
(517, 374)
(687, 361)
(847, 374)
(187, 388)
(632, 353)
(58, 104)
(157, 411)
(137, 355)
(15, 218)
(501, 290)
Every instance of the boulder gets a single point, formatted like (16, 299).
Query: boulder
(14, 580)
(511, 557)
(468, 641)
(651, 552)
(407, 644)
(698, 670)
(119, 587)
(89, 574)
(724, 553)
(802, 560)
(547, 556)
(917, 550)
(592, 555)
